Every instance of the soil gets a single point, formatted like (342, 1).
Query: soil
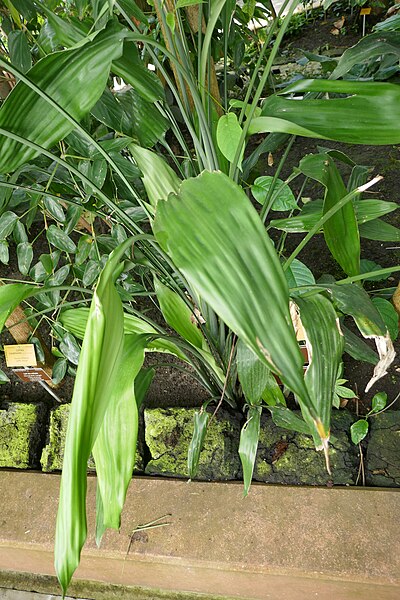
(171, 387)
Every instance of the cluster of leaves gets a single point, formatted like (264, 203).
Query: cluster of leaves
(138, 191)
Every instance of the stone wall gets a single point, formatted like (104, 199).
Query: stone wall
(32, 436)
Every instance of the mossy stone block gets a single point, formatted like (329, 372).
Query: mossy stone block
(53, 452)
(288, 457)
(383, 450)
(21, 432)
(168, 432)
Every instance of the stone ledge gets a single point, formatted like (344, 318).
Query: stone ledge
(281, 542)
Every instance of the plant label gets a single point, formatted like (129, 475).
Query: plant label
(32, 374)
(20, 355)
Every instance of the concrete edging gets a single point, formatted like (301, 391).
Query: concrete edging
(279, 543)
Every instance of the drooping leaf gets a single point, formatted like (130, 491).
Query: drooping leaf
(59, 370)
(389, 315)
(20, 53)
(115, 448)
(60, 75)
(248, 445)
(284, 417)
(340, 231)
(356, 119)
(132, 70)
(252, 372)
(95, 380)
(200, 228)
(325, 346)
(200, 423)
(158, 178)
(177, 314)
(357, 348)
(352, 300)
(380, 230)
(373, 45)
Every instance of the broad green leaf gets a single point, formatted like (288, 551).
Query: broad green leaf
(158, 178)
(379, 402)
(133, 71)
(95, 381)
(358, 431)
(282, 197)
(248, 445)
(200, 228)
(132, 9)
(366, 210)
(59, 239)
(373, 45)
(20, 54)
(95, 170)
(115, 448)
(298, 275)
(340, 231)
(325, 344)
(356, 119)
(201, 419)
(25, 257)
(284, 417)
(7, 223)
(380, 230)
(252, 372)
(60, 75)
(390, 24)
(229, 133)
(389, 315)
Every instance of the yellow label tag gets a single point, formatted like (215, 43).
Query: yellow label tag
(20, 355)
(365, 11)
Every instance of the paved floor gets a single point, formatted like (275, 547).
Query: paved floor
(18, 595)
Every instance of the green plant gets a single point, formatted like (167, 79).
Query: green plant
(181, 230)
(359, 429)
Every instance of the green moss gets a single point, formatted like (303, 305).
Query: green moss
(53, 452)
(21, 426)
(168, 433)
(289, 457)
